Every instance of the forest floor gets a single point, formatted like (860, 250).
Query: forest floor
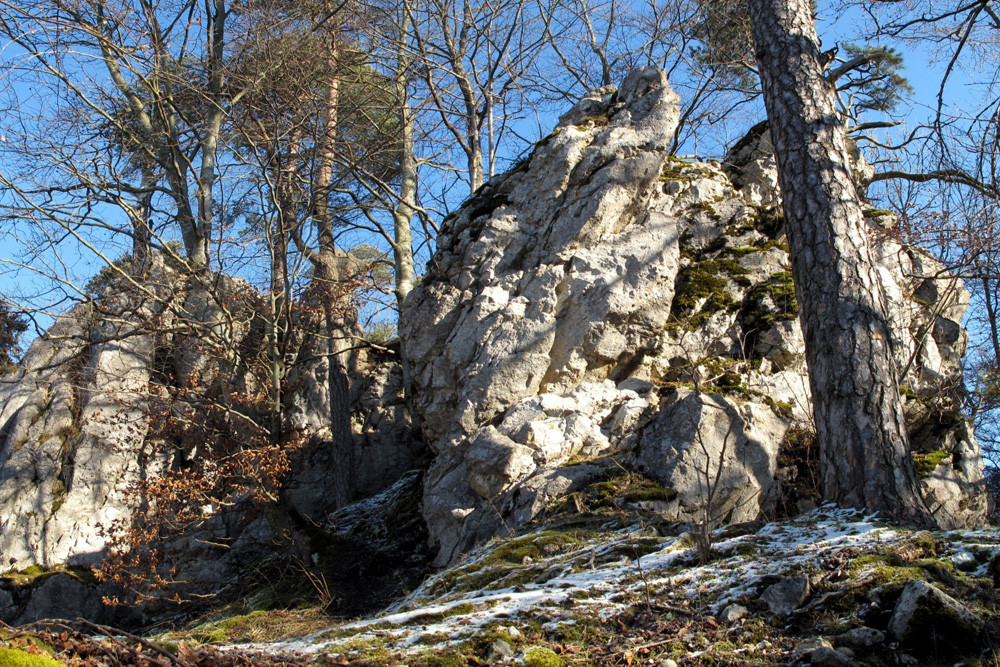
(781, 593)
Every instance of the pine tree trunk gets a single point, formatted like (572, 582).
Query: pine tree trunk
(333, 272)
(864, 448)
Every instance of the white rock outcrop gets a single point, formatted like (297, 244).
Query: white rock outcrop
(604, 296)
(82, 423)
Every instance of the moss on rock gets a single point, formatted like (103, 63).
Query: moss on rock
(732, 383)
(676, 169)
(769, 302)
(595, 120)
(927, 462)
(703, 289)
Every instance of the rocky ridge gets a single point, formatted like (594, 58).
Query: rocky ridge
(603, 309)
(604, 297)
(82, 423)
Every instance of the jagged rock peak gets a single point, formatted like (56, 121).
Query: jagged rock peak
(605, 297)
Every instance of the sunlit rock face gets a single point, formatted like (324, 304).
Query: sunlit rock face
(81, 424)
(605, 297)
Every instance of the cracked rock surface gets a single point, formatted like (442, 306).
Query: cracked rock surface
(605, 297)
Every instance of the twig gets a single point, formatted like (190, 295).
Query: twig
(112, 633)
(843, 590)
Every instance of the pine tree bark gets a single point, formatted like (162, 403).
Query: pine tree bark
(863, 443)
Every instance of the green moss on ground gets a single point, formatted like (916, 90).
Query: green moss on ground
(479, 644)
(540, 656)
(13, 657)
(509, 564)
(446, 658)
(258, 626)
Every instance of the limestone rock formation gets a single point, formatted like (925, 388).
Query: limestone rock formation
(68, 450)
(604, 296)
(601, 307)
(85, 417)
(923, 613)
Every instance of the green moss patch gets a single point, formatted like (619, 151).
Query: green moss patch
(510, 563)
(703, 289)
(13, 657)
(927, 462)
(732, 383)
(258, 626)
(770, 302)
(624, 488)
(541, 656)
(676, 169)
(532, 546)
(596, 120)
(35, 575)
(446, 658)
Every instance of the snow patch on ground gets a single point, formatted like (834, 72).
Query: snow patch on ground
(590, 572)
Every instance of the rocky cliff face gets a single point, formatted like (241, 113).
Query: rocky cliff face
(83, 420)
(605, 297)
(602, 307)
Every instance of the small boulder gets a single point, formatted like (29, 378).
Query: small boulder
(860, 638)
(495, 462)
(924, 614)
(808, 646)
(499, 651)
(733, 613)
(828, 657)
(787, 595)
